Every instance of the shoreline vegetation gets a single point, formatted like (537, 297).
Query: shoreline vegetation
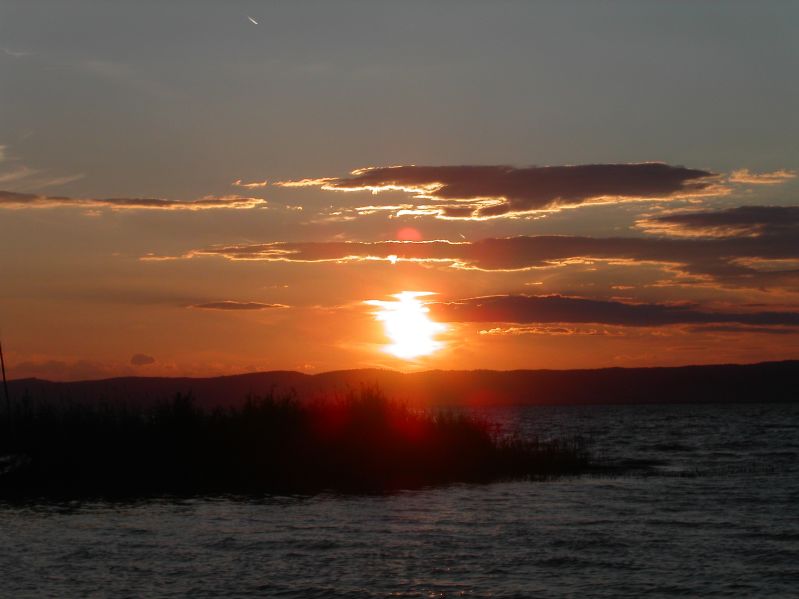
(361, 442)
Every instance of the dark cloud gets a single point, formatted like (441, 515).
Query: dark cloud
(490, 191)
(752, 221)
(232, 305)
(14, 200)
(141, 360)
(732, 328)
(525, 309)
(763, 261)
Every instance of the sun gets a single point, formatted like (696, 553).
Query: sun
(407, 325)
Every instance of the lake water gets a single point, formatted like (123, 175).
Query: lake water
(709, 508)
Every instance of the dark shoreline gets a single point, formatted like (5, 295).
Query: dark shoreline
(724, 383)
(362, 443)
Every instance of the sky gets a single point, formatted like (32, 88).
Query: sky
(205, 188)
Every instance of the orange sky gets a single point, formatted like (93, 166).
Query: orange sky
(229, 197)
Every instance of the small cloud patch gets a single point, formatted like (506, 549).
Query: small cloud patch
(249, 185)
(745, 176)
(141, 360)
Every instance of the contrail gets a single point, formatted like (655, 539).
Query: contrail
(253, 20)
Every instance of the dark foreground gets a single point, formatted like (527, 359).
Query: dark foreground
(732, 530)
(361, 443)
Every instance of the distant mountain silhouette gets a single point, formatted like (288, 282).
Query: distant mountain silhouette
(764, 382)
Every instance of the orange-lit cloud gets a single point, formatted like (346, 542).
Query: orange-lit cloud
(250, 185)
(233, 305)
(540, 330)
(18, 201)
(478, 192)
(773, 178)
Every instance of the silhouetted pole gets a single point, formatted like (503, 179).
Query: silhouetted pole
(5, 383)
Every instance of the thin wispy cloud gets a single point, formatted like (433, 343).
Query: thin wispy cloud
(16, 174)
(773, 178)
(250, 185)
(16, 53)
(548, 331)
(45, 181)
(234, 305)
(21, 201)
(26, 178)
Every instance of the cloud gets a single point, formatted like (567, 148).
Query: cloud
(251, 185)
(54, 181)
(17, 173)
(479, 192)
(233, 305)
(16, 53)
(547, 331)
(754, 261)
(734, 328)
(773, 178)
(25, 177)
(15, 200)
(141, 360)
(748, 221)
(335, 251)
(551, 309)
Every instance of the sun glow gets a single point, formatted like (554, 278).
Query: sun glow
(407, 325)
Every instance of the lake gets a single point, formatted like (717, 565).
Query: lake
(708, 505)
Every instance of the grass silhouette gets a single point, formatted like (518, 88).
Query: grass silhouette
(362, 442)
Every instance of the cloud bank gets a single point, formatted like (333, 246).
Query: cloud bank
(551, 309)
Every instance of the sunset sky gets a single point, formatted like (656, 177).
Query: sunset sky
(202, 188)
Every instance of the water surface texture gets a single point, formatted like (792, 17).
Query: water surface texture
(709, 508)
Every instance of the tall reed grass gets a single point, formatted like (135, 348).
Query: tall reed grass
(362, 442)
